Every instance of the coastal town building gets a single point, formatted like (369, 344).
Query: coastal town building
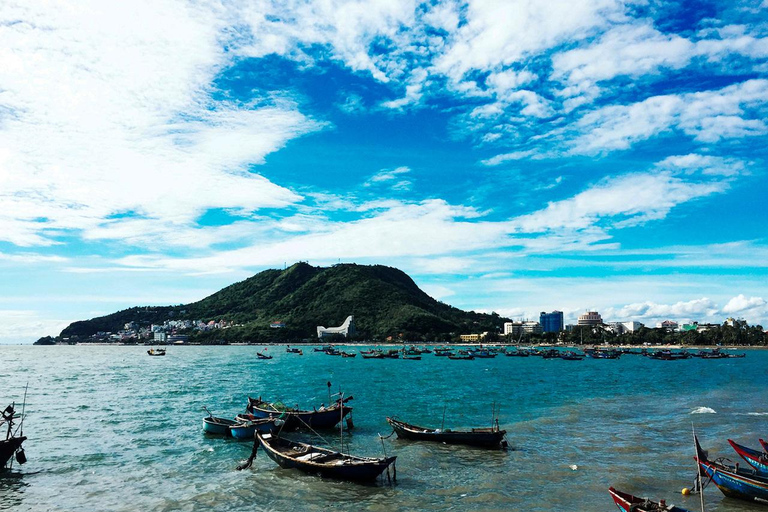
(667, 325)
(632, 326)
(345, 329)
(590, 318)
(472, 338)
(531, 327)
(513, 328)
(551, 322)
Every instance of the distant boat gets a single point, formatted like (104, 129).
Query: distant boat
(325, 417)
(756, 458)
(571, 356)
(461, 357)
(629, 503)
(11, 445)
(293, 350)
(348, 354)
(321, 461)
(373, 355)
(156, 351)
(517, 353)
(667, 355)
(412, 358)
(489, 437)
(261, 355)
(733, 481)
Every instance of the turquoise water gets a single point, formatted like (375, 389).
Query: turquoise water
(111, 428)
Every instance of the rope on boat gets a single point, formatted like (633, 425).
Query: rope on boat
(255, 449)
(387, 437)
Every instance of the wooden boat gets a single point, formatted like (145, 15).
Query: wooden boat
(324, 348)
(261, 355)
(294, 350)
(571, 356)
(460, 357)
(517, 353)
(551, 354)
(326, 463)
(217, 426)
(412, 358)
(764, 444)
(247, 429)
(630, 503)
(482, 354)
(348, 354)
(325, 417)
(667, 355)
(11, 445)
(443, 353)
(733, 481)
(603, 354)
(156, 351)
(755, 458)
(490, 437)
(373, 355)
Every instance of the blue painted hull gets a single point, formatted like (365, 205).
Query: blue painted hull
(248, 430)
(217, 426)
(755, 458)
(328, 418)
(737, 483)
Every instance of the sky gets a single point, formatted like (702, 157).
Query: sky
(511, 156)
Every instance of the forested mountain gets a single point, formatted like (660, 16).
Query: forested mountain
(384, 301)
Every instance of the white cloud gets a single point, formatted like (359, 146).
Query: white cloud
(121, 98)
(627, 200)
(391, 178)
(706, 116)
(24, 326)
(507, 157)
(705, 164)
(741, 305)
(696, 308)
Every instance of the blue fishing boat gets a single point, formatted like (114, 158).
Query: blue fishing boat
(324, 417)
(247, 429)
(217, 426)
(756, 458)
(733, 481)
(484, 437)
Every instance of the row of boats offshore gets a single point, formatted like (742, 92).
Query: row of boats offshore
(481, 352)
(265, 422)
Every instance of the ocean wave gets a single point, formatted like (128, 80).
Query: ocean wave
(752, 413)
(703, 410)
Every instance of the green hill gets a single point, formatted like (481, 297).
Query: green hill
(384, 301)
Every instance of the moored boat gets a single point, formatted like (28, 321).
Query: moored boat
(629, 503)
(733, 481)
(461, 357)
(348, 354)
(324, 417)
(217, 426)
(756, 458)
(322, 461)
(261, 355)
(247, 429)
(11, 445)
(488, 437)
(156, 351)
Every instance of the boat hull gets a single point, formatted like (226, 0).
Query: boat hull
(8, 448)
(483, 438)
(733, 482)
(248, 429)
(327, 418)
(342, 467)
(629, 503)
(217, 426)
(755, 458)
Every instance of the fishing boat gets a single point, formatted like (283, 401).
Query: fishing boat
(411, 358)
(482, 354)
(668, 355)
(261, 355)
(756, 458)
(156, 351)
(571, 356)
(11, 445)
(321, 461)
(629, 503)
(517, 353)
(348, 354)
(764, 444)
(461, 357)
(373, 355)
(294, 351)
(733, 481)
(443, 352)
(216, 426)
(489, 437)
(247, 429)
(552, 353)
(324, 417)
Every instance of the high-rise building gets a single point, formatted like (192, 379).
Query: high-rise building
(551, 322)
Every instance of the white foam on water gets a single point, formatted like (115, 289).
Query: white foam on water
(703, 410)
(752, 413)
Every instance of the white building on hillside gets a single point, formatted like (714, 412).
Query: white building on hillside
(345, 329)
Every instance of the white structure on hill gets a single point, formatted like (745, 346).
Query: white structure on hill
(345, 329)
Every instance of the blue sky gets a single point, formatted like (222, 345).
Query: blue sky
(511, 156)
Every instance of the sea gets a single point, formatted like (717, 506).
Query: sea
(112, 429)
